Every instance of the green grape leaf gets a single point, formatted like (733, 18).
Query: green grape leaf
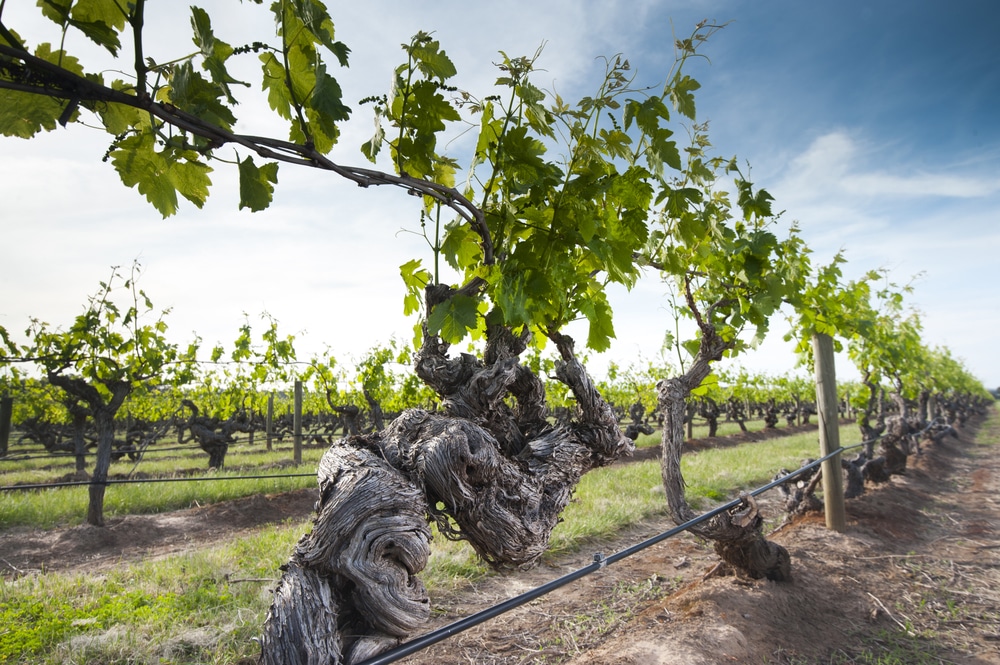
(415, 279)
(427, 109)
(273, 83)
(160, 176)
(56, 11)
(754, 205)
(100, 33)
(108, 12)
(325, 110)
(647, 114)
(99, 20)
(119, 118)
(327, 96)
(707, 385)
(215, 51)
(601, 329)
(257, 184)
(373, 146)
(460, 246)
(23, 114)
(192, 92)
(663, 150)
(490, 129)
(617, 143)
(453, 318)
(682, 95)
(318, 27)
(139, 165)
(430, 59)
(190, 177)
(511, 296)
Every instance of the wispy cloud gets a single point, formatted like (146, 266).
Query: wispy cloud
(837, 164)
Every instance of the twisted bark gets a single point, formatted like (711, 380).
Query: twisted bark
(737, 534)
(495, 474)
(350, 589)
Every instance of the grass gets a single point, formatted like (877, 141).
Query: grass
(713, 473)
(887, 647)
(202, 606)
(700, 431)
(205, 606)
(571, 635)
(67, 506)
(167, 460)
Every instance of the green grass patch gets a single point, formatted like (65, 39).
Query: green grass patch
(165, 460)
(67, 506)
(714, 473)
(649, 440)
(605, 501)
(611, 498)
(199, 607)
(700, 431)
(989, 433)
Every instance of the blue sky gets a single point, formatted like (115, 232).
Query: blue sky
(876, 126)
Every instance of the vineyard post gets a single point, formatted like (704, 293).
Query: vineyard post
(829, 431)
(297, 423)
(269, 421)
(6, 413)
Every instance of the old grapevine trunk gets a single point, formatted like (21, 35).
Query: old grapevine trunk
(488, 468)
(736, 534)
(102, 409)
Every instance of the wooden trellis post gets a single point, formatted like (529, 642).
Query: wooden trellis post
(6, 412)
(297, 424)
(829, 431)
(269, 421)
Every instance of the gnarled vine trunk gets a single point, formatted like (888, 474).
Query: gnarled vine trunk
(102, 409)
(494, 473)
(213, 436)
(737, 534)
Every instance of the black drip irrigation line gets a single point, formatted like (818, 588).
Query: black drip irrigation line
(136, 481)
(600, 561)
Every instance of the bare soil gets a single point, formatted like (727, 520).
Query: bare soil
(915, 576)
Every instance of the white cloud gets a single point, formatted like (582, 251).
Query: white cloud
(919, 185)
(837, 165)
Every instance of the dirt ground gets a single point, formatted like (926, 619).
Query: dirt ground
(915, 575)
